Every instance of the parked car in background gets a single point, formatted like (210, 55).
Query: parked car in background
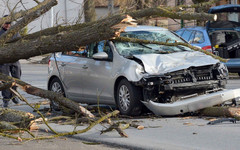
(196, 36)
(129, 75)
(222, 36)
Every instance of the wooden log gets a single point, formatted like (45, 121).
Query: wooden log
(7, 126)
(11, 115)
(6, 85)
(164, 12)
(48, 94)
(232, 112)
(65, 41)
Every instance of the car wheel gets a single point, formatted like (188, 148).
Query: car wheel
(128, 98)
(239, 73)
(56, 86)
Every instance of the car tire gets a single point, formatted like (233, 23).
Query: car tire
(128, 98)
(238, 73)
(56, 86)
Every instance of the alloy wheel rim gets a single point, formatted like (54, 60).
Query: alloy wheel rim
(124, 97)
(56, 87)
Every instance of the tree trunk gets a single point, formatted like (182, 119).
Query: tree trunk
(221, 112)
(101, 30)
(48, 94)
(201, 9)
(89, 10)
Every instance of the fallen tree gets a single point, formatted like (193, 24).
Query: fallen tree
(59, 98)
(63, 38)
(233, 112)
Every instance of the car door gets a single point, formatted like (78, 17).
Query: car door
(71, 67)
(98, 81)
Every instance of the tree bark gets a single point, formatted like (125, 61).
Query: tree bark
(164, 12)
(48, 94)
(13, 17)
(101, 30)
(6, 85)
(221, 112)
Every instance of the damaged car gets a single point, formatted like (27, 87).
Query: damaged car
(168, 80)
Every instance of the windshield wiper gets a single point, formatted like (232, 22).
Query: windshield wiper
(162, 52)
(145, 45)
(181, 47)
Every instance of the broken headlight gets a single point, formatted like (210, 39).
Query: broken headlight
(223, 71)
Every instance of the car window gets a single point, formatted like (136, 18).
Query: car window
(81, 52)
(180, 32)
(192, 37)
(186, 35)
(102, 46)
(92, 49)
(134, 48)
(198, 38)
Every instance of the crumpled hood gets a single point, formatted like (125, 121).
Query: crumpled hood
(156, 64)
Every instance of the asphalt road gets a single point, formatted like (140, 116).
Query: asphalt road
(159, 133)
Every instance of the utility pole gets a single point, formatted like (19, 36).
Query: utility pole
(110, 7)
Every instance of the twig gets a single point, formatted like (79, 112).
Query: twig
(24, 99)
(114, 113)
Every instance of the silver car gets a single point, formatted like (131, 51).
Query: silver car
(131, 75)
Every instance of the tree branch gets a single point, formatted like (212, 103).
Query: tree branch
(159, 11)
(38, 11)
(48, 94)
(133, 40)
(101, 30)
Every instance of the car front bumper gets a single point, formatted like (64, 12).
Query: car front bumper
(192, 104)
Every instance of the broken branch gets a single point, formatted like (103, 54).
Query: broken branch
(39, 10)
(233, 112)
(133, 40)
(6, 85)
(50, 95)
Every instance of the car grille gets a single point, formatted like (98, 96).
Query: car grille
(192, 74)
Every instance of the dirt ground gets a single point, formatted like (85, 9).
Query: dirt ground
(62, 143)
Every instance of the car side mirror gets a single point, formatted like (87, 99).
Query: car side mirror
(100, 56)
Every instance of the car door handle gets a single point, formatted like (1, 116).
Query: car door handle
(85, 67)
(63, 64)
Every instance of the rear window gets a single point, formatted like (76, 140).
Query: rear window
(186, 35)
(198, 38)
(180, 32)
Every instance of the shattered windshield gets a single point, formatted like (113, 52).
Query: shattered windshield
(129, 48)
